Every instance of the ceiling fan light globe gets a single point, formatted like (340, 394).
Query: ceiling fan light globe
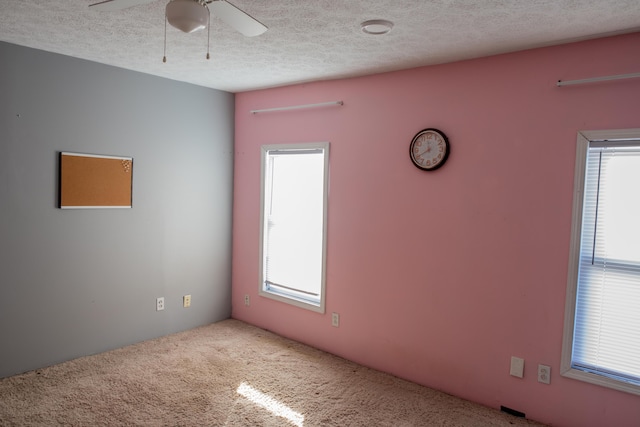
(187, 15)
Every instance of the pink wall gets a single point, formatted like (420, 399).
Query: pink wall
(441, 277)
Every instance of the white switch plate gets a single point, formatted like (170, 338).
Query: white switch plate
(517, 367)
(544, 374)
(247, 300)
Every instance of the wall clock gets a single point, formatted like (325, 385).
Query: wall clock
(429, 149)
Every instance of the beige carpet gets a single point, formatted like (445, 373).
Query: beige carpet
(228, 374)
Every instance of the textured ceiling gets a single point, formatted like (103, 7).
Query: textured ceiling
(309, 40)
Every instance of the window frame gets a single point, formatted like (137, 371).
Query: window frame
(283, 296)
(584, 138)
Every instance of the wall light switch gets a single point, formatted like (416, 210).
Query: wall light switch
(517, 367)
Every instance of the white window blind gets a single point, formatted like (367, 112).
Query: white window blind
(293, 224)
(606, 336)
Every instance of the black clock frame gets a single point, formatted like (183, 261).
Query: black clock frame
(446, 153)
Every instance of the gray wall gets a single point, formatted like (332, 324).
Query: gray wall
(78, 282)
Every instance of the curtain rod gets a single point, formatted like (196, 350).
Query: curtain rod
(596, 79)
(297, 107)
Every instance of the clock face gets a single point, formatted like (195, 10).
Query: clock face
(429, 149)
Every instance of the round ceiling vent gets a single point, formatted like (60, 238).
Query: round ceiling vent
(376, 26)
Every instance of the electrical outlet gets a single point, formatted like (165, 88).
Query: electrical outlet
(160, 304)
(335, 319)
(517, 367)
(186, 301)
(544, 374)
(247, 301)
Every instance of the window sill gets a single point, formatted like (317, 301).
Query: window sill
(600, 380)
(287, 299)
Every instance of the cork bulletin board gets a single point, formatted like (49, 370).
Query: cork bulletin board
(89, 181)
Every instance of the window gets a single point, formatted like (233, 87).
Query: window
(293, 223)
(602, 324)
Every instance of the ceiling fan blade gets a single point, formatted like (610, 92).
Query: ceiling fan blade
(110, 5)
(236, 18)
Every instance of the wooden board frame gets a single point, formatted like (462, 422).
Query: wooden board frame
(92, 181)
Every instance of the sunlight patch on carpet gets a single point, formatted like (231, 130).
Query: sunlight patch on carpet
(270, 404)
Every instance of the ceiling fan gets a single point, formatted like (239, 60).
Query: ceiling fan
(193, 15)
(182, 12)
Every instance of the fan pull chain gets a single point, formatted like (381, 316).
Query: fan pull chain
(164, 58)
(208, 33)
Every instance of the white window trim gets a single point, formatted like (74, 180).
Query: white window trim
(584, 137)
(320, 308)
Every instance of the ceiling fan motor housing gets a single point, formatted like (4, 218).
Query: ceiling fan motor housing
(187, 15)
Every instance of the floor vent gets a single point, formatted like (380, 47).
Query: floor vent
(512, 412)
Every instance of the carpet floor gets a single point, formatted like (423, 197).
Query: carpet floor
(228, 374)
